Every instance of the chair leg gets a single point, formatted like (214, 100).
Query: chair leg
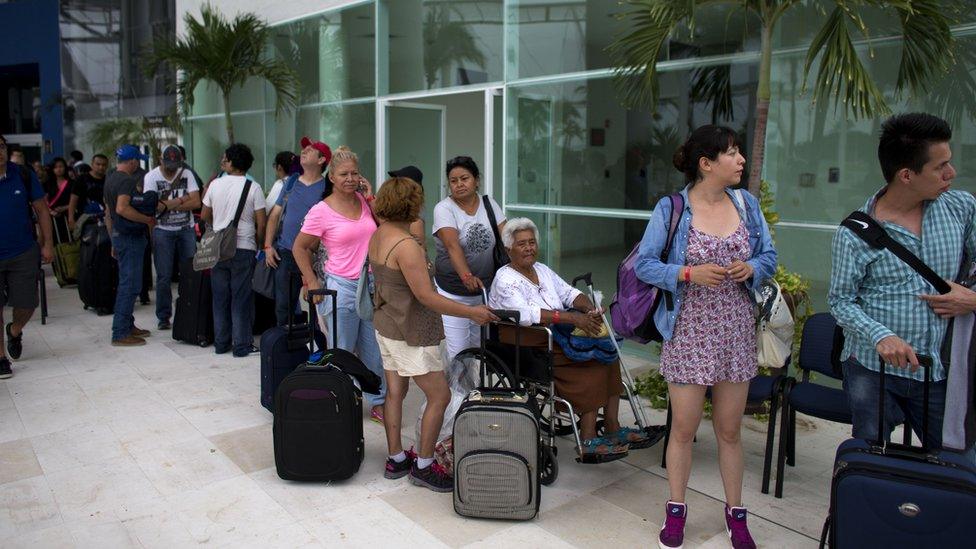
(667, 438)
(770, 435)
(907, 436)
(784, 434)
(791, 454)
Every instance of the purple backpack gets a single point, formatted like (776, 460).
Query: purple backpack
(632, 307)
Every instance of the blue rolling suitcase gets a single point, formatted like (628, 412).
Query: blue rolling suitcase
(891, 495)
(283, 348)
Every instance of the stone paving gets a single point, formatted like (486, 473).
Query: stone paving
(167, 446)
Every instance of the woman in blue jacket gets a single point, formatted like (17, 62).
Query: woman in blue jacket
(722, 250)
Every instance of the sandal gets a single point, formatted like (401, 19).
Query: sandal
(637, 439)
(376, 415)
(601, 450)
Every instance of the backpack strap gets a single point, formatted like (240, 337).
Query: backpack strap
(870, 231)
(677, 209)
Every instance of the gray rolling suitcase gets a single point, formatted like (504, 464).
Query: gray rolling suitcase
(497, 455)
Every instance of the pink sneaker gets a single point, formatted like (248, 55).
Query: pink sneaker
(672, 535)
(735, 526)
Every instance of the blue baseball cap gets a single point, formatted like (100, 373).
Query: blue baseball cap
(130, 152)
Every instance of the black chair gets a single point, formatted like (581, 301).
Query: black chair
(761, 389)
(820, 353)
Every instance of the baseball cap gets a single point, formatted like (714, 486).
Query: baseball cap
(172, 157)
(323, 149)
(129, 152)
(411, 172)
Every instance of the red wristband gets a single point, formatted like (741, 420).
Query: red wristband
(687, 274)
(466, 276)
(555, 317)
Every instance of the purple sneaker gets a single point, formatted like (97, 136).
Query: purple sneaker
(735, 526)
(672, 535)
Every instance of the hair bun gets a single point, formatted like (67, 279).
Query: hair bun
(679, 159)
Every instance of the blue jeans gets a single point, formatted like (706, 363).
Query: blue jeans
(903, 399)
(353, 333)
(233, 303)
(287, 274)
(166, 245)
(129, 251)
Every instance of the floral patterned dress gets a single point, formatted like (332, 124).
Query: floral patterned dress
(714, 337)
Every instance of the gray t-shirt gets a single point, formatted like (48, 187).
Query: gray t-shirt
(477, 240)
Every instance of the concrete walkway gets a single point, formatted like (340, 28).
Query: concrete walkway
(167, 446)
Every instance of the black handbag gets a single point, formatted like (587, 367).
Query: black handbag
(499, 254)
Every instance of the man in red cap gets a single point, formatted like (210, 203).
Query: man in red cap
(298, 195)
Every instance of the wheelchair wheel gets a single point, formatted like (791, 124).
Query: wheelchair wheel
(549, 466)
(497, 375)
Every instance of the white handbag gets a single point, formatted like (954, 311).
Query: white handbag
(774, 326)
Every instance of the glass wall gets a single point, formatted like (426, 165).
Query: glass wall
(434, 44)
(566, 154)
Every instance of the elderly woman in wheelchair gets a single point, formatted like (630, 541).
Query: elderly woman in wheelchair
(543, 298)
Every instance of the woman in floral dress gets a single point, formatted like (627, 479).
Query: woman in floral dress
(722, 250)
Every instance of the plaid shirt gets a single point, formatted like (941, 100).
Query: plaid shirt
(873, 294)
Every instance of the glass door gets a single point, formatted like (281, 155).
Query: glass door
(415, 136)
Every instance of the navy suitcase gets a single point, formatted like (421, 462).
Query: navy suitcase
(283, 348)
(891, 495)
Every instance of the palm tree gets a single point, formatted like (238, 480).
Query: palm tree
(841, 76)
(108, 135)
(227, 53)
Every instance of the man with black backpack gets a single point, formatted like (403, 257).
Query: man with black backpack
(886, 279)
(21, 199)
(127, 225)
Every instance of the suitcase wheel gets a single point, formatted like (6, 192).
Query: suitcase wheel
(550, 467)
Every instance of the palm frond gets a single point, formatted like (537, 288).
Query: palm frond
(841, 76)
(928, 45)
(712, 85)
(635, 54)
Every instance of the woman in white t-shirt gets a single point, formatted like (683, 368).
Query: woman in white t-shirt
(465, 242)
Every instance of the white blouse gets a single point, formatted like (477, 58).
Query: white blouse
(511, 290)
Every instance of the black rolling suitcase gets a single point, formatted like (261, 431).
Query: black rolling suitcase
(891, 495)
(98, 273)
(318, 420)
(193, 320)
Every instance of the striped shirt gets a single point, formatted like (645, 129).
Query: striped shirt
(873, 294)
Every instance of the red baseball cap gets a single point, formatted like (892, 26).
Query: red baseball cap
(323, 149)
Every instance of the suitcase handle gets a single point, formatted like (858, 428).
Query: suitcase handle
(312, 315)
(925, 362)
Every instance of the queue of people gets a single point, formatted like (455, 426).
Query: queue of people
(722, 250)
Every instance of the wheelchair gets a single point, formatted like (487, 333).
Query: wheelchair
(501, 365)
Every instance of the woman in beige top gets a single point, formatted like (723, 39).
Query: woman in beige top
(406, 316)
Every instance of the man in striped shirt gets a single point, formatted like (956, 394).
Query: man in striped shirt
(883, 305)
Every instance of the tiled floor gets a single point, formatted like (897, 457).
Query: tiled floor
(167, 446)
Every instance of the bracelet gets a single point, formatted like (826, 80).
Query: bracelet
(687, 274)
(466, 276)
(555, 317)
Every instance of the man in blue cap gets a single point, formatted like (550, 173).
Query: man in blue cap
(128, 242)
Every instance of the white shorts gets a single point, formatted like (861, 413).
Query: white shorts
(407, 360)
